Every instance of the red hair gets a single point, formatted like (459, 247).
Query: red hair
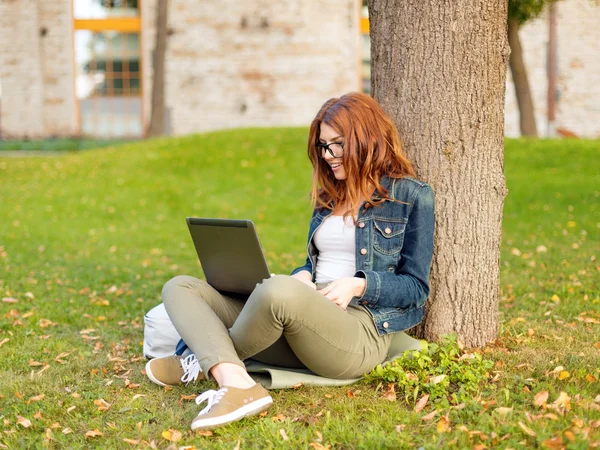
(372, 148)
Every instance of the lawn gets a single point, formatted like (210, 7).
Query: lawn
(87, 239)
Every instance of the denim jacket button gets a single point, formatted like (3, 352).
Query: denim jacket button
(385, 324)
(361, 225)
(388, 230)
(363, 251)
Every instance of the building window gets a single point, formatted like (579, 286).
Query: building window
(108, 67)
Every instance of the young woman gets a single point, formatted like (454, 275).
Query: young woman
(370, 244)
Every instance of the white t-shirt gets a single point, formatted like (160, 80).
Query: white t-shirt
(336, 241)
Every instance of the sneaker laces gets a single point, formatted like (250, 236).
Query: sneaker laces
(191, 369)
(212, 397)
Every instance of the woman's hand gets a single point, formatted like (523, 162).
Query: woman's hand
(342, 290)
(305, 277)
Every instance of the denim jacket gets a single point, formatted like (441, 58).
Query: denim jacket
(394, 246)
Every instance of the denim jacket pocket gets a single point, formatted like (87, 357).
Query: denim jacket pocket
(388, 236)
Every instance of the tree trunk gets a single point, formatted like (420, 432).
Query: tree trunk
(519, 74)
(157, 114)
(439, 69)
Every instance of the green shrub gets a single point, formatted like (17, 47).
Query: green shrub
(442, 371)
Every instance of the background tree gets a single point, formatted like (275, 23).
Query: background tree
(439, 69)
(157, 113)
(519, 12)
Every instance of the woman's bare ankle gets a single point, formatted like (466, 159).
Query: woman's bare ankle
(230, 374)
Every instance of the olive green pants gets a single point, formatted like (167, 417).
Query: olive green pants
(284, 322)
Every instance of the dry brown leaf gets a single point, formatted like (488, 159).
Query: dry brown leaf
(562, 403)
(390, 393)
(204, 433)
(430, 416)
(298, 385)
(278, 418)
(34, 363)
(131, 441)
(37, 398)
(38, 415)
(93, 433)
(319, 446)
(591, 378)
(172, 435)
(443, 426)
(136, 396)
(67, 430)
(554, 443)
(540, 398)
(4, 341)
(328, 396)
(421, 403)
(9, 300)
(570, 435)
(25, 423)
(527, 430)
(283, 434)
(102, 404)
(350, 394)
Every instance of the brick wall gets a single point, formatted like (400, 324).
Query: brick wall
(578, 83)
(260, 63)
(36, 69)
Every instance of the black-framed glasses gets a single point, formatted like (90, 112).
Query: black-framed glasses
(335, 149)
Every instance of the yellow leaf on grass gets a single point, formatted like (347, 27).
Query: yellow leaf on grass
(443, 426)
(503, 411)
(25, 423)
(421, 403)
(563, 375)
(93, 433)
(554, 443)
(37, 398)
(527, 430)
(540, 398)
(171, 435)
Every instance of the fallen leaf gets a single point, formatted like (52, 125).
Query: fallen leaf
(318, 446)
(570, 435)
(238, 444)
(102, 404)
(131, 441)
(25, 423)
(527, 430)
(172, 435)
(136, 396)
(503, 411)
(421, 403)
(443, 426)
(37, 415)
(540, 398)
(390, 393)
(591, 378)
(67, 430)
(93, 433)
(437, 379)
(328, 396)
(562, 403)
(430, 416)
(283, 434)
(564, 375)
(278, 418)
(4, 341)
(34, 363)
(350, 394)
(37, 398)
(204, 433)
(9, 300)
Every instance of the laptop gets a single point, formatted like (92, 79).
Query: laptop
(230, 254)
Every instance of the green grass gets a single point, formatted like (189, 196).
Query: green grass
(58, 144)
(75, 225)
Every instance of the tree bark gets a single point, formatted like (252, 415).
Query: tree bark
(519, 74)
(439, 70)
(157, 113)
